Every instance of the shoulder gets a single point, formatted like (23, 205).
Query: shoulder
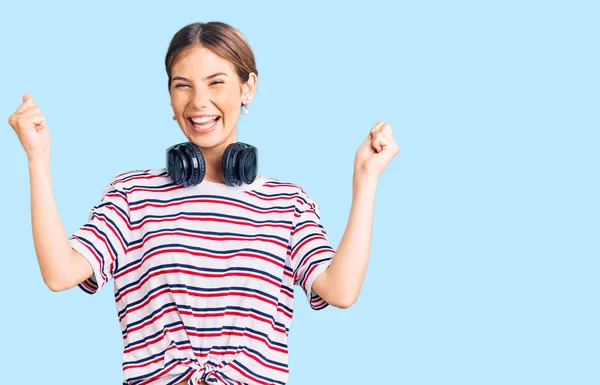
(128, 179)
(302, 199)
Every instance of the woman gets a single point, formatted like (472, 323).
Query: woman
(204, 261)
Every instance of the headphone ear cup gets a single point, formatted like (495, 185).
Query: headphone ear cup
(248, 164)
(229, 165)
(185, 164)
(197, 164)
(177, 164)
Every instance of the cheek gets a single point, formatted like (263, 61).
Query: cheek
(228, 98)
(178, 101)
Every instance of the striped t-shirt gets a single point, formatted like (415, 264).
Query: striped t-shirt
(203, 275)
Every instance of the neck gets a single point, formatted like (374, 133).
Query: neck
(213, 158)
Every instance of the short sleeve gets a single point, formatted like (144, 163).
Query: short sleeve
(104, 239)
(310, 250)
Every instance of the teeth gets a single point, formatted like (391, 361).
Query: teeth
(203, 120)
(207, 122)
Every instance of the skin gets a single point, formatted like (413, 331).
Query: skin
(341, 283)
(222, 95)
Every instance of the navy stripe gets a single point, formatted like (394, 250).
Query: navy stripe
(98, 253)
(215, 233)
(256, 374)
(199, 290)
(209, 214)
(205, 310)
(231, 252)
(209, 196)
(312, 263)
(198, 269)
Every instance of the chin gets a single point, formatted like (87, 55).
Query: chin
(207, 141)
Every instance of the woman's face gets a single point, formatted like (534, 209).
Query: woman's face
(206, 96)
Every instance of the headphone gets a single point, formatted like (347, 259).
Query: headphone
(186, 165)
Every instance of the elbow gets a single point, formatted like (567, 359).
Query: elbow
(344, 302)
(55, 285)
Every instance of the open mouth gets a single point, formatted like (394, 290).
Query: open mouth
(203, 124)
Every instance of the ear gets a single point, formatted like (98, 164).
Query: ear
(249, 88)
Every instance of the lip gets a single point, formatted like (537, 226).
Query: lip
(202, 116)
(197, 130)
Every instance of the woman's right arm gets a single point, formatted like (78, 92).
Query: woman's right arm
(62, 267)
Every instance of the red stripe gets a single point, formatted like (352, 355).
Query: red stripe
(300, 246)
(243, 373)
(173, 329)
(204, 334)
(147, 257)
(164, 372)
(200, 236)
(136, 177)
(194, 273)
(207, 219)
(98, 259)
(309, 272)
(124, 219)
(195, 294)
(263, 363)
(157, 359)
(154, 340)
(209, 201)
(263, 198)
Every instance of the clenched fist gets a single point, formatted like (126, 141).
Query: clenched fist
(376, 152)
(30, 126)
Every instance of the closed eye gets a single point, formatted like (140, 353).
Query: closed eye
(185, 85)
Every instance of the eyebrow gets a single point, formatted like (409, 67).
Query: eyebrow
(206, 78)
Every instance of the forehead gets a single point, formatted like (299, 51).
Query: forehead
(200, 61)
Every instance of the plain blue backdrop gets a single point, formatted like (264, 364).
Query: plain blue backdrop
(485, 255)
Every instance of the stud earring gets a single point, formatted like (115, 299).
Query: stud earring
(174, 117)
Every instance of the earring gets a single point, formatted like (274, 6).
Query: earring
(174, 117)
(245, 107)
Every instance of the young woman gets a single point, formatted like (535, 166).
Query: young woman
(204, 253)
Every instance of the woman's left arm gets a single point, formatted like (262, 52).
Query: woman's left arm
(340, 284)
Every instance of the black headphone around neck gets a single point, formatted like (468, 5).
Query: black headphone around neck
(186, 166)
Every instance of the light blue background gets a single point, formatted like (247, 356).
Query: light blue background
(484, 261)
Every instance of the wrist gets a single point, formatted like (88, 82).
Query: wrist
(363, 177)
(364, 184)
(38, 161)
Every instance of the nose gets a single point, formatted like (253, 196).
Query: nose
(199, 99)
